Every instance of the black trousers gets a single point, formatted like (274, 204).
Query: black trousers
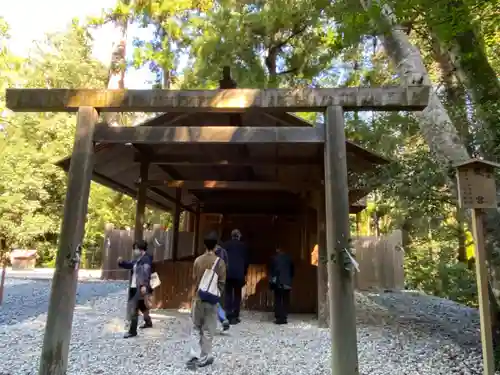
(232, 298)
(281, 303)
(140, 307)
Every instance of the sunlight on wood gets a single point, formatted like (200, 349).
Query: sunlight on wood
(315, 255)
(239, 99)
(76, 97)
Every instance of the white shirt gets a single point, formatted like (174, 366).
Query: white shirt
(133, 284)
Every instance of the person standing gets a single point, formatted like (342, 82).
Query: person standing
(221, 314)
(203, 311)
(139, 287)
(281, 272)
(237, 253)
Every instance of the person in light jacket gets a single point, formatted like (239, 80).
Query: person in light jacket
(281, 272)
(203, 312)
(139, 287)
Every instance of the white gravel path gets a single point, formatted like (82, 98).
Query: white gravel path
(398, 333)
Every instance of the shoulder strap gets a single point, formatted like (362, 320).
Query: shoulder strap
(216, 262)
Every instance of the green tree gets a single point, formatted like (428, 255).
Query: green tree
(32, 188)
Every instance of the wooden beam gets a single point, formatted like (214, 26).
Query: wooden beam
(394, 98)
(207, 134)
(268, 210)
(233, 185)
(196, 237)
(176, 224)
(344, 353)
(169, 198)
(202, 160)
(148, 152)
(56, 340)
(322, 270)
(140, 211)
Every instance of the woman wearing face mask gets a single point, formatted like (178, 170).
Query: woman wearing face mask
(139, 287)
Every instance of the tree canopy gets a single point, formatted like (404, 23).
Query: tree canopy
(451, 44)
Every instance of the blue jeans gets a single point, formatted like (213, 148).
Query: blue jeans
(221, 314)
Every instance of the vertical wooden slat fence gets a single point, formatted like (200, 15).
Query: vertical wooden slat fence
(381, 262)
(118, 243)
(380, 259)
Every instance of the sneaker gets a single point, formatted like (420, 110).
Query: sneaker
(146, 325)
(206, 362)
(234, 321)
(225, 325)
(192, 364)
(129, 335)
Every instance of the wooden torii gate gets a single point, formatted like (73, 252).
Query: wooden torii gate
(332, 102)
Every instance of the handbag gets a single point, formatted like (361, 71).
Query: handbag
(148, 301)
(208, 290)
(155, 281)
(273, 283)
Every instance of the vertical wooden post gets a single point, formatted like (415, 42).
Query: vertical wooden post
(186, 221)
(3, 259)
(192, 219)
(482, 288)
(107, 263)
(140, 210)
(155, 251)
(196, 240)
(304, 245)
(54, 358)
(341, 293)
(322, 271)
(177, 220)
(2, 280)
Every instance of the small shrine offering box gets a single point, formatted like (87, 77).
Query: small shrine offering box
(476, 184)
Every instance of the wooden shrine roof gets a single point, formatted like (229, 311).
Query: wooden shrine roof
(296, 166)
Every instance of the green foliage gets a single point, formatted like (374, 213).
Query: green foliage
(437, 272)
(32, 188)
(271, 44)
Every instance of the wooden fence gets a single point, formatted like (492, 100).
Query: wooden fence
(380, 261)
(118, 243)
(176, 287)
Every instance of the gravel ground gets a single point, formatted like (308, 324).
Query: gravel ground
(398, 333)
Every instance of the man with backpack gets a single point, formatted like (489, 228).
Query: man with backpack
(209, 278)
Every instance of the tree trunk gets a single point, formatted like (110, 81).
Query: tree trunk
(456, 104)
(435, 123)
(117, 68)
(470, 64)
(455, 93)
(466, 55)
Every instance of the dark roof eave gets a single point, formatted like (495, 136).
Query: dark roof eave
(114, 185)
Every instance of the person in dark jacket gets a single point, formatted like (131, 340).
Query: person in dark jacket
(237, 254)
(221, 313)
(281, 272)
(139, 287)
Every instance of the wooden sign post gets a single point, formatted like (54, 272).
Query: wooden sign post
(477, 190)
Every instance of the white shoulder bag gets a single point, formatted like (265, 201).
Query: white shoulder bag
(155, 281)
(208, 289)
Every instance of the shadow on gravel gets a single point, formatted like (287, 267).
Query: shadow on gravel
(27, 298)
